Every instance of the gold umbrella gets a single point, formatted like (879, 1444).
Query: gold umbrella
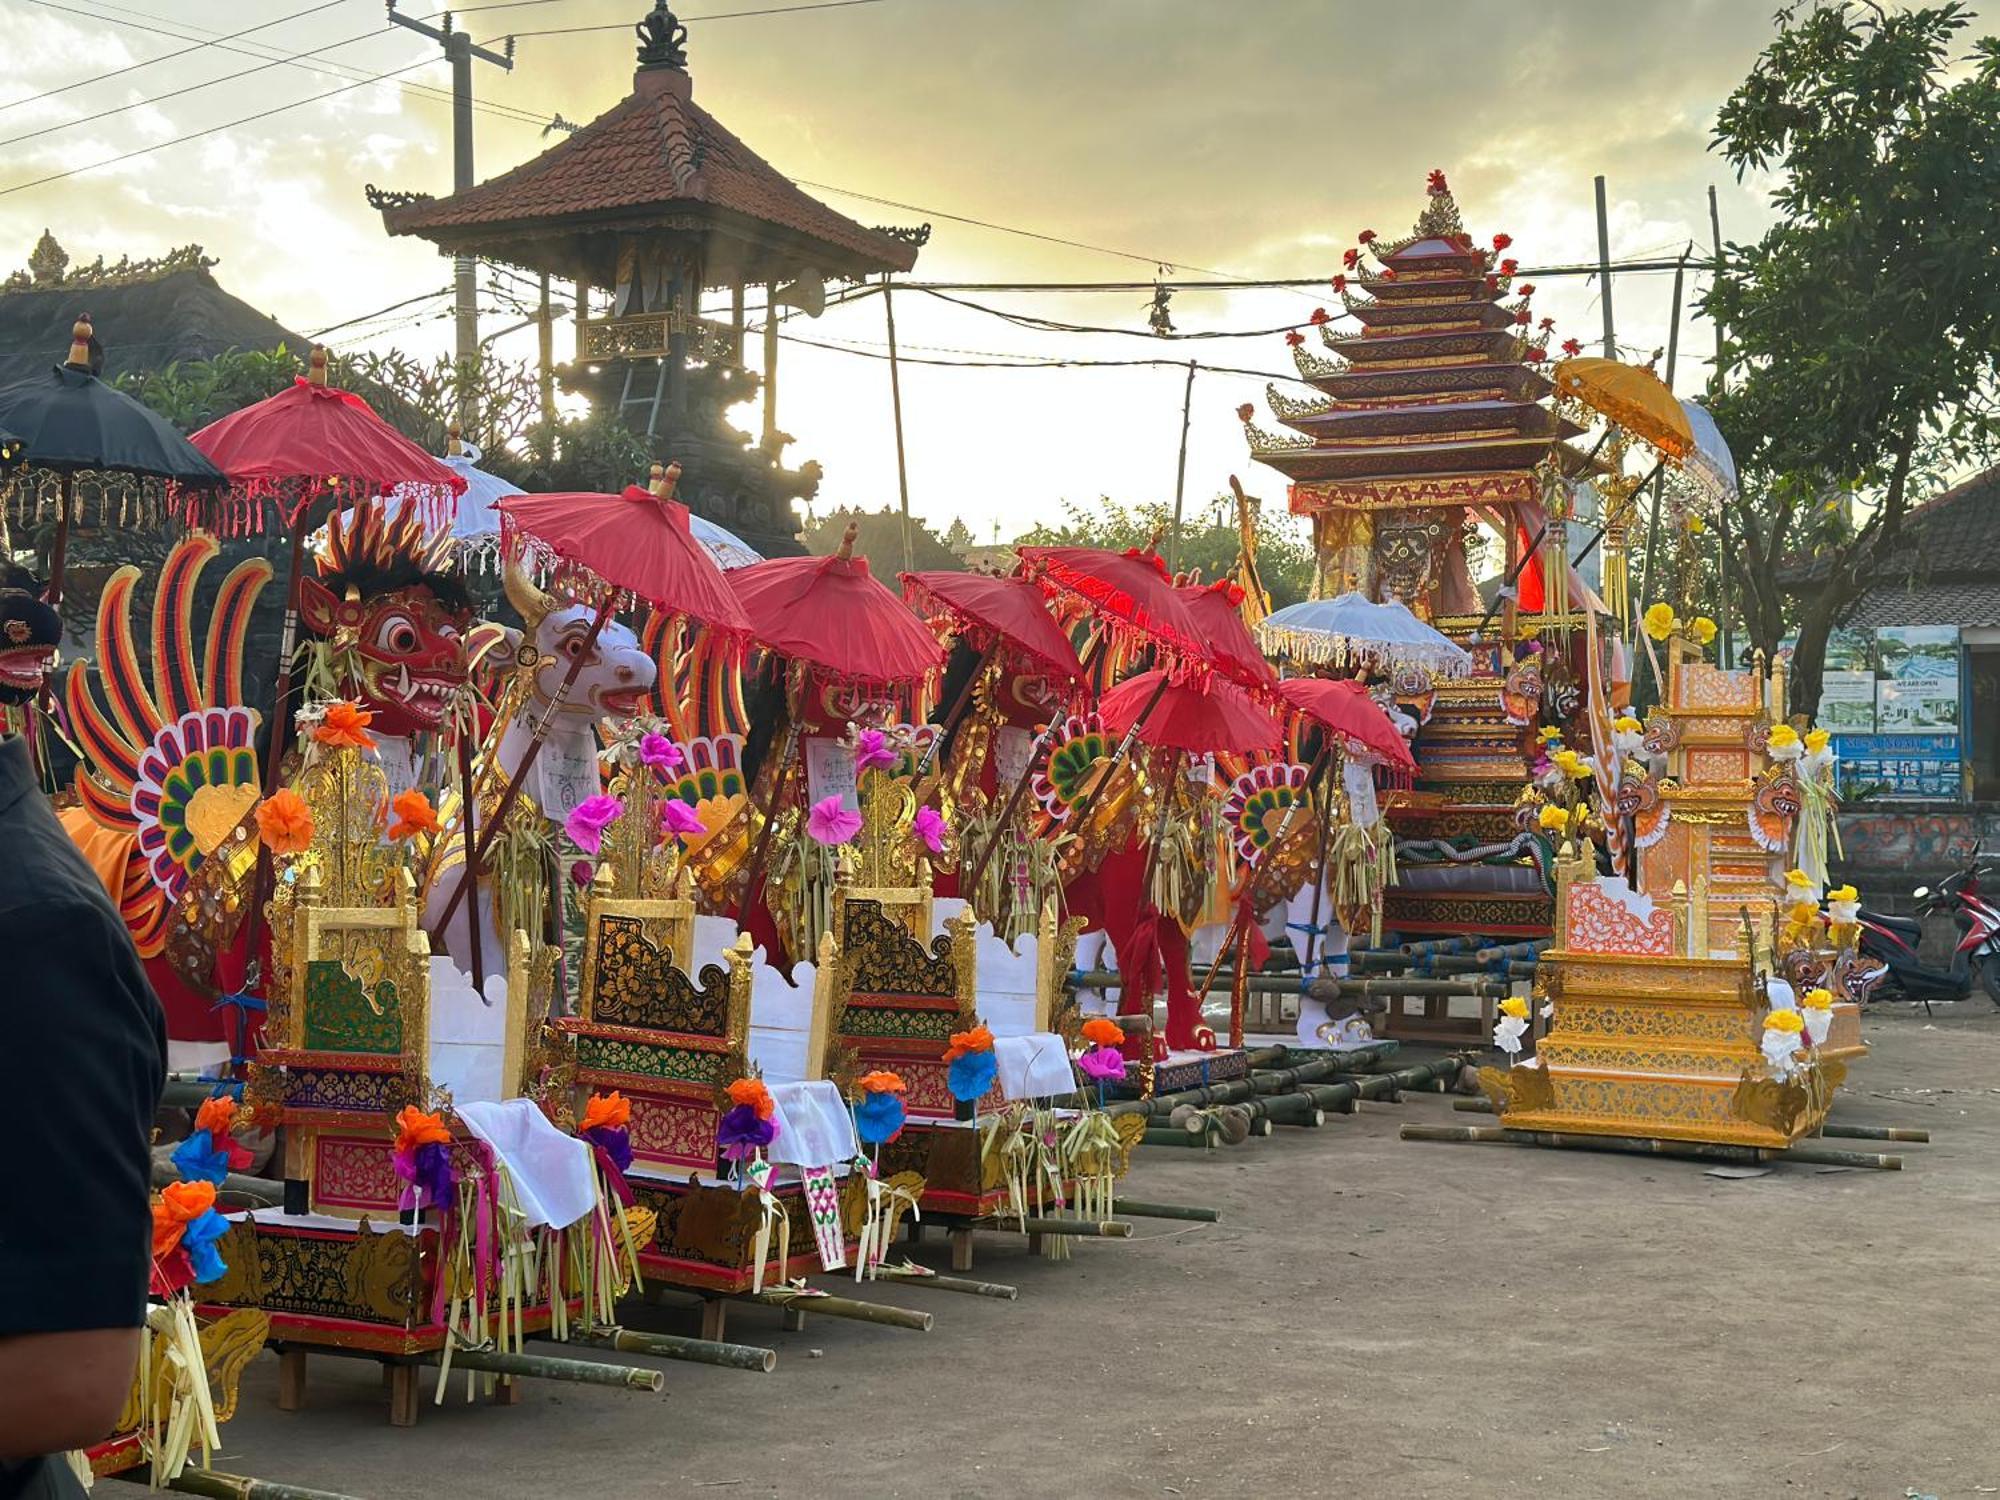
(1631, 396)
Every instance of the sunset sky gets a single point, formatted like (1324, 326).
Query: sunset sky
(1253, 139)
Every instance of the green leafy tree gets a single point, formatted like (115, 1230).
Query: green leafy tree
(878, 537)
(1209, 540)
(1861, 332)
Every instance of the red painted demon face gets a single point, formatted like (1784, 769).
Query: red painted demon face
(409, 649)
(385, 594)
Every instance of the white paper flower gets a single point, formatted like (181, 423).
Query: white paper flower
(1548, 1010)
(1507, 1033)
(1780, 994)
(1818, 1024)
(1847, 912)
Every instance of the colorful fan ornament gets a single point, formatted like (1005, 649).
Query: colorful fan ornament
(1076, 748)
(1261, 802)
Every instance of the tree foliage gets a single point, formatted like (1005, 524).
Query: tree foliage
(878, 536)
(1861, 331)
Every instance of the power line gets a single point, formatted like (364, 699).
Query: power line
(392, 307)
(1053, 325)
(733, 15)
(148, 62)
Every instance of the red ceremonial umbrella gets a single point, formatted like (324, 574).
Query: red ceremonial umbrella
(307, 441)
(1200, 718)
(1130, 589)
(1343, 706)
(638, 543)
(833, 613)
(1228, 643)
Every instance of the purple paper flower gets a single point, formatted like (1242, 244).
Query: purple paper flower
(587, 821)
(427, 1171)
(580, 873)
(929, 826)
(661, 753)
(1102, 1063)
(678, 820)
(741, 1133)
(827, 822)
(872, 752)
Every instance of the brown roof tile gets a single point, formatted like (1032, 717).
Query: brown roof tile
(655, 149)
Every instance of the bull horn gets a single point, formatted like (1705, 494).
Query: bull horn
(531, 602)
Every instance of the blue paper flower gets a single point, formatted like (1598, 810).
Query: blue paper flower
(200, 1240)
(971, 1075)
(879, 1117)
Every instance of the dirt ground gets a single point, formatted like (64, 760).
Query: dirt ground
(1372, 1317)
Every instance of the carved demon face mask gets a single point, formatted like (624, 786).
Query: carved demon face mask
(30, 632)
(384, 595)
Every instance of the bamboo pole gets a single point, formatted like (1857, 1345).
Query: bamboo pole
(940, 1283)
(1192, 1213)
(1500, 1135)
(673, 1346)
(194, 1481)
(552, 1367)
(1208, 1139)
(165, 1172)
(1288, 984)
(1107, 1229)
(850, 1308)
(1910, 1133)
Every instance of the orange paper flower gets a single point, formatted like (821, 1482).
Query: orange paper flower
(1104, 1031)
(284, 822)
(414, 814)
(751, 1091)
(611, 1110)
(881, 1082)
(414, 1128)
(979, 1039)
(217, 1116)
(178, 1205)
(345, 724)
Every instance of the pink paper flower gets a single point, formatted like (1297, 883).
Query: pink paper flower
(661, 753)
(827, 822)
(1102, 1064)
(587, 821)
(678, 820)
(929, 826)
(872, 752)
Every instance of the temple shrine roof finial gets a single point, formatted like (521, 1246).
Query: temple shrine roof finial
(662, 39)
(1439, 220)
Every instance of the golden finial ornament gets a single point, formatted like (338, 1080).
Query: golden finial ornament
(316, 366)
(79, 342)
(846, 552)
(663, 480)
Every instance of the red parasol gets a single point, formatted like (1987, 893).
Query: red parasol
(1343, 706)
(1229, 644)
(832, 613)
(1009, 612)
(305, 440)
(1129, 588)
(639, 542)
(1212, 717)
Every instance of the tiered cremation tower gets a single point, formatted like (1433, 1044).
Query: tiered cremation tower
(1433, 418)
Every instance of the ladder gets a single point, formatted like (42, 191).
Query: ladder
(627, 400)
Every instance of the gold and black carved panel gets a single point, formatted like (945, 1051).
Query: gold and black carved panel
(884, 959)
(638, 984)
(369, 1277)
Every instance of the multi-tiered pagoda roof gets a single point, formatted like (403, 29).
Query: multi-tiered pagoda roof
(1431, 384)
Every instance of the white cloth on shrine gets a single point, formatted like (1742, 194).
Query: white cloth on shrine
(468, 1034)
(814, 1126)
(1033, 1066)
(781, 1012)
(551, 1172)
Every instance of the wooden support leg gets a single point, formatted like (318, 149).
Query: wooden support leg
(403, 1400)
(792, 1320)
(1034, 1244)
(714, 1315)
(961, 1249)
(292, 1380)
(913, 1231)
(507, 1391)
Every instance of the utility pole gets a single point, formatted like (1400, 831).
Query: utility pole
(1715, 383)
(1604, 273)
(896, 398)
(1180, 471)
(459, 50)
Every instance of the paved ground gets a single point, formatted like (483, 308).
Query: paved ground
(1372, 1318)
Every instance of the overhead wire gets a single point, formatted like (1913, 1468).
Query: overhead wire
(733, 15)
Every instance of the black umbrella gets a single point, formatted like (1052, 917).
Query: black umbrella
(69, 420)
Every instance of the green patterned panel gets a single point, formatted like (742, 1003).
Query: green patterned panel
(643, 1060)
(339, 1017)
(864, 1019)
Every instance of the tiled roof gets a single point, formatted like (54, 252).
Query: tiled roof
(657, 149)
(1953, 537)
(1969, 605)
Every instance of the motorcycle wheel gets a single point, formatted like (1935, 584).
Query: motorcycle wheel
(1989, 976)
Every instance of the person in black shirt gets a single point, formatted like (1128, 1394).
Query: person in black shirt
(88, 1044)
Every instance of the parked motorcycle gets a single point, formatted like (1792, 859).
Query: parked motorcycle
(1892, 941)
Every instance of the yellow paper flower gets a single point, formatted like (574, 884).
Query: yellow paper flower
(1784, 1020)
(1843, 893)
(1817, 998)
(1660, 621)
(1696, 525)
(1571, 764)
(1548, 735)
(1783, 737)
(1818, 740)
(1799, 884)
(1552, 818)
(1703, 630)
(1514, 1006)
(1625, 724)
